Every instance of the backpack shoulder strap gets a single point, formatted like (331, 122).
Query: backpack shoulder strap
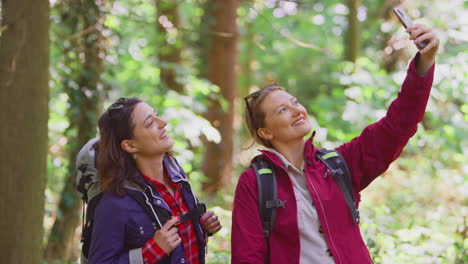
(267, 197)
(89, 209)
(340, 171)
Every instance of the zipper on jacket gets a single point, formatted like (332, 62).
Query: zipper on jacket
(325, 217)
(195, 201)
(151, 206)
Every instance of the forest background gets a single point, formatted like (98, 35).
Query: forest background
(62, 62)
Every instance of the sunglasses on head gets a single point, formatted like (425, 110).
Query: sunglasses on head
(119, 104)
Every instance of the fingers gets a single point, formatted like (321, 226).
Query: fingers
(212, 224)
(420, 33)
(174, 230)
(170, 223)
(168, 236)
(166, 241)
(415, 26)
(175, 240)
(427, 36)
(206, 215)
(214, 227)
(434, 43)
(412, 28)
(416, 30)
(208, 219)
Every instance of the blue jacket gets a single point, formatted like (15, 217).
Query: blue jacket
(121, 226)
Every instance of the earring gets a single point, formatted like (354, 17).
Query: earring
(134, 155)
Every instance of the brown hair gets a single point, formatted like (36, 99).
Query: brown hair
(113, 163)
(254, 115)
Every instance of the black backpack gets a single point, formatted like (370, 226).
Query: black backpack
(267, 189)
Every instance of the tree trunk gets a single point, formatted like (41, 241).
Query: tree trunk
(202, 44)
(169, 44)
(246, 82)
(248, 58)
(217, 161)
(82, 113)
(24, 76)
(352, 42)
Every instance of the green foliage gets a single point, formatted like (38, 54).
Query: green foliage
(408, 216)
(415, 213)
(219, 245)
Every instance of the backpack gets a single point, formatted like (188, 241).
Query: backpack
(267, 189)
(88, 184)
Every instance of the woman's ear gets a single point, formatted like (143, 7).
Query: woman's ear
(265, 133)
(128, 146)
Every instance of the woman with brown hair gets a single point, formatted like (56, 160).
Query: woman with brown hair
(148, 212)
(313, 223)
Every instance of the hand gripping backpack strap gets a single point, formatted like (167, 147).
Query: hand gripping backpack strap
(267, 198)
(340, 171)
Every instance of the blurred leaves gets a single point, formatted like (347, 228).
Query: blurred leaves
(415, 213)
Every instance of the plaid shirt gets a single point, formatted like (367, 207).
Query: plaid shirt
(152, 253)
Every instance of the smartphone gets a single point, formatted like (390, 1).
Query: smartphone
(407, 22)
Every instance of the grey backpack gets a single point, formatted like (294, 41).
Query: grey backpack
(87, 180)
(87, 183)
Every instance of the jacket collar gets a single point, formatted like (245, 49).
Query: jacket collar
(309, 146)
(276, 160)
(174, 170)
(287, 165)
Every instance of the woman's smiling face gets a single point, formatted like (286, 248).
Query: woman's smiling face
(149, 134)
(286, 119)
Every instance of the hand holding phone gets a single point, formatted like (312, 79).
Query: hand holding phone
(407, 22)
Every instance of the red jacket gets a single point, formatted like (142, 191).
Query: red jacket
(368, 156)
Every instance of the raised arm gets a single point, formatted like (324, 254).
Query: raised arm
(420, 33)
(370, 154)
